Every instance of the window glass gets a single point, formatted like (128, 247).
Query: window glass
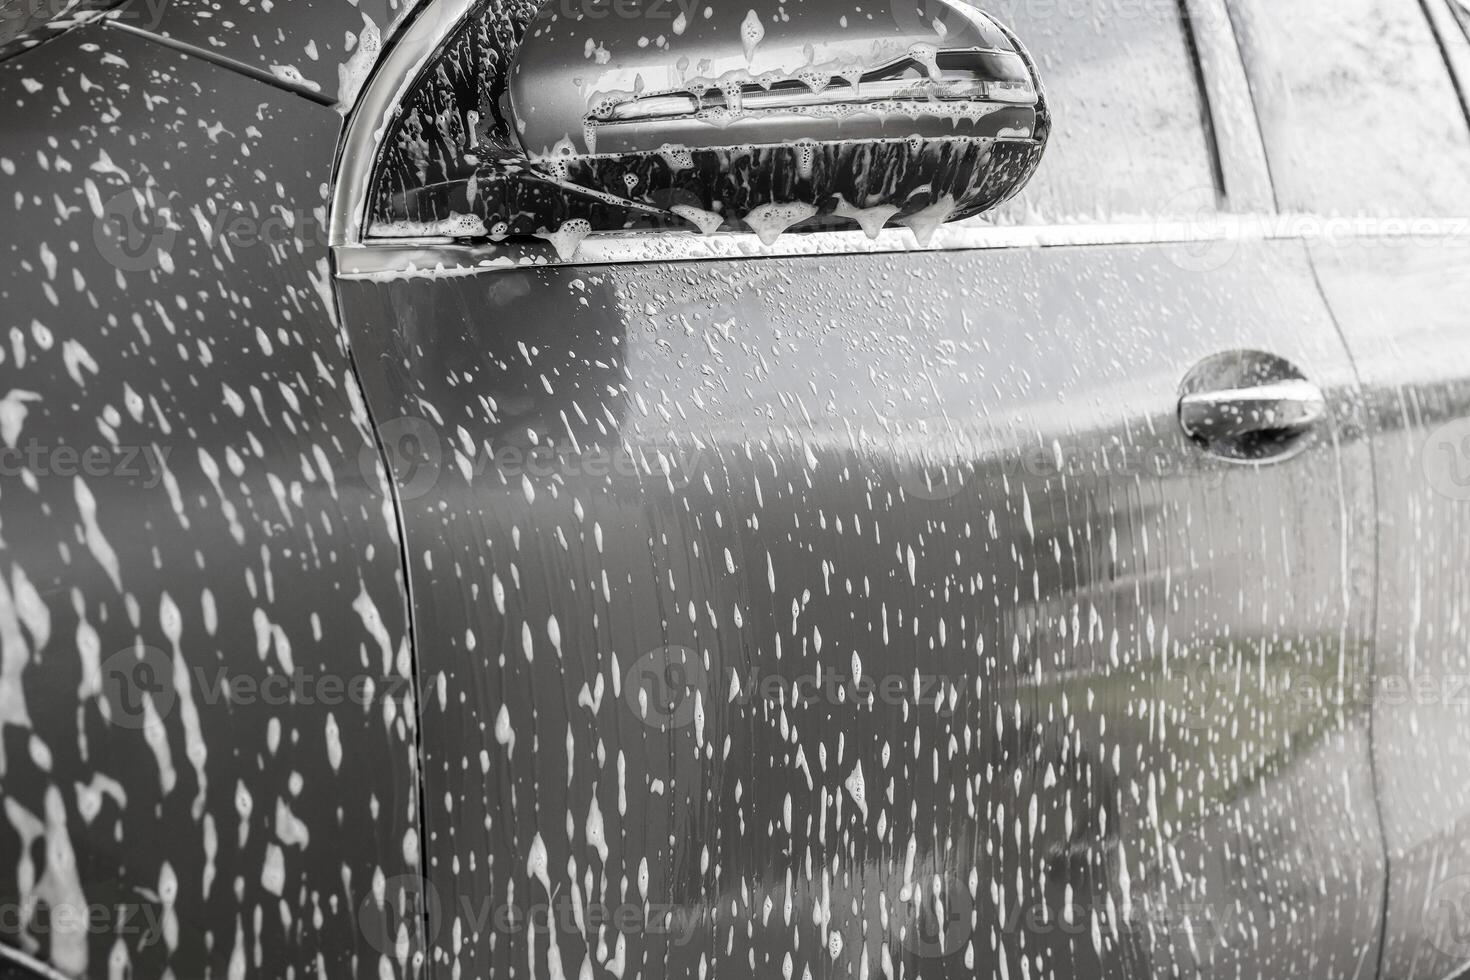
(452, 114)
(1128, 138)
(1357, 107)
(1128, 120)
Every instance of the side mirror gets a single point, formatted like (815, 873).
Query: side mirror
(626, 115)
(778, 114)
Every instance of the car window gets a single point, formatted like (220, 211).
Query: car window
(452, 114)
(1358, 109)
(1129, 131)
(1129, 136)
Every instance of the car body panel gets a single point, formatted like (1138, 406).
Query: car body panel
(839, 615)
(191, 498)
(325, 46)
(648, 509)
(1404, 309)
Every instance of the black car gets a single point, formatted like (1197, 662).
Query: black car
(805, 489)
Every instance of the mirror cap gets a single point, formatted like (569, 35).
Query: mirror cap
(625, 76)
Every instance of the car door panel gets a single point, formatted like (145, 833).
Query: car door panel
(1390, 255)
(663, 519)
(197, 549)
(324, 47)
(1402, 306)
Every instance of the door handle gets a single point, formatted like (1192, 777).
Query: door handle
(1284, 408)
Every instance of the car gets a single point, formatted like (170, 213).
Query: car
(642, 488)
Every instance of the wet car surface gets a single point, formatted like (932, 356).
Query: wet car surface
(576, 586)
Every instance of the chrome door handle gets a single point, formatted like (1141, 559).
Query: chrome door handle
(1286, 407)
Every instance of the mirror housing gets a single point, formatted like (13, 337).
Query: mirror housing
(769, 117)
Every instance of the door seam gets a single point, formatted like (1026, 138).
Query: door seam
(1369, 429)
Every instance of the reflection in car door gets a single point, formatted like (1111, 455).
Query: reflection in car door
(683, 511)
(869, 614)
(1395, 266)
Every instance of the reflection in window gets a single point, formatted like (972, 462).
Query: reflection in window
(1128, 120)
(1358, 111)
(454, 111)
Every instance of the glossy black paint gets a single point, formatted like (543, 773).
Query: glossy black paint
(325, 46)
(1405, 312)
(1130, 710)
(190, 499)
(656, 503)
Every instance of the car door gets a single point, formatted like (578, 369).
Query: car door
(207, 748)
(1393, 258)
(836, 608)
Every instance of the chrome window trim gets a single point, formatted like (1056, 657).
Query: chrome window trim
(404, 58)
(1244, 174)
(1453, 36)
(1240, 148)
(1216, 236)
